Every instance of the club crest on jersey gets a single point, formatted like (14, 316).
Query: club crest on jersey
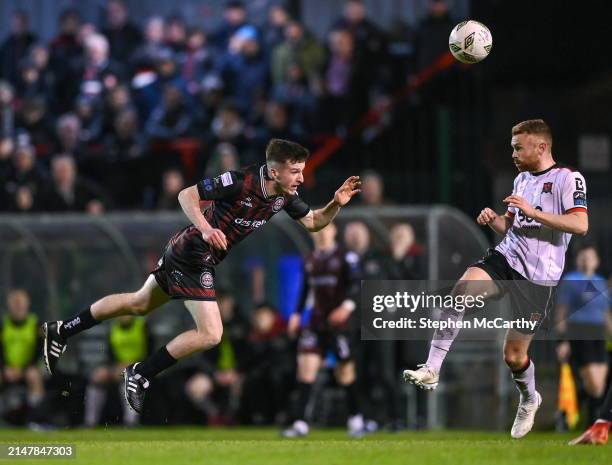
(278, 204)
(536, 317)
(206, 280)
(547, 188)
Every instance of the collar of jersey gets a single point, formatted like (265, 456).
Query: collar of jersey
(545, 171)
(263, 175)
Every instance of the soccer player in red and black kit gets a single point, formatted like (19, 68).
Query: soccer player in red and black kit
(330, 288)
(241, 202)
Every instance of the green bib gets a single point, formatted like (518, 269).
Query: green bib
(129, 344)
(19, 341)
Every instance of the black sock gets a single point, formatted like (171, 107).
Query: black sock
(605, 412)
(304, 393)
(78, 323)
(156, 363)
(593, 405)
(352, 399)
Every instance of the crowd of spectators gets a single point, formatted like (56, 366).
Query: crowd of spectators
(119, 115)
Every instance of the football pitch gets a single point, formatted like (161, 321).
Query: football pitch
(169, 446)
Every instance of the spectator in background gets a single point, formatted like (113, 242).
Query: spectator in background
(228, 126)
(274, 29)
(26, 179)
(345, 82)
(67, 192)
(65, 46)
(7, 110)
(173, 182)
(268, 368)
(244, 68)
(66, 52)
(171, 119)
(215, 387)
(301, 48)
(209, 101)
(370, 41)
(129, 340)
(224, 158)
(21, 347)
(98, 73)
(381, 360)
(296, 95)
(123, 36)
(90, 115)
(432, 36)
(407, 253)
(33, 118)
(196, 60)
(16, 46)
(154, 37)
(584, 315)
(176, 34)
(372, 189)
(68, 136)
(234, 17)
(116, 100)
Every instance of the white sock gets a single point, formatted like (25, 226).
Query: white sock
(443, 339)
(525, 382)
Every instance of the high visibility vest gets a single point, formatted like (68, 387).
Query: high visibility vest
(129, 344)
(19, 341)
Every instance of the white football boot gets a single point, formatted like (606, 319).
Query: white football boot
(424, 377)
(525, 416)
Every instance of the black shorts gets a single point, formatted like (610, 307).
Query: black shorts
(528, 300)
(319, 342)
(587, 343)
(182, 271)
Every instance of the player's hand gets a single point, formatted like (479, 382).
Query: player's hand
(339, 316)
(520, 203)
(347, 190)
(216, 238)
(563, 352)
(486, 216)
(293, 326)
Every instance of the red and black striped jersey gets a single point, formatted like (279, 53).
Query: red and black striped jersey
(241, 204)
(330, 278)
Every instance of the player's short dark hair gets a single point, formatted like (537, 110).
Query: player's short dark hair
(282, 151)
(534, 126)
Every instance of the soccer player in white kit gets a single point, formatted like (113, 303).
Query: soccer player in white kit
(547, 206)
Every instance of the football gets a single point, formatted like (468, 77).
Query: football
(470, 42)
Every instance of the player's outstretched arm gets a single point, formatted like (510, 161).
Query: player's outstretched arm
(189, 199)
(576, 222)
(498, 223)
(316, 220)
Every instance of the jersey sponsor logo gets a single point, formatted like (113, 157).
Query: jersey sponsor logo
(226, 179)
(526, 221)
(206, 280)
(249, 223)
(278, 204)
(547, 188)
(246, 202)
(580, 199)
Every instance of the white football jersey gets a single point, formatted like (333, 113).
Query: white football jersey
(536, 251)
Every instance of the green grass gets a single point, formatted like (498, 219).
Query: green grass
(170, 446)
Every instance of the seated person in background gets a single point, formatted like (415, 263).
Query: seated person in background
(215, 387)
(21, 347)
(268, 368)
(129, 340)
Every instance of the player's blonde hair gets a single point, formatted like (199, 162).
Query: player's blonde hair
(534, 126)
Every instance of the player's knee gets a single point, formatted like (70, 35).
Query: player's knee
(514, 358)
(138, 306)
(210, 337)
